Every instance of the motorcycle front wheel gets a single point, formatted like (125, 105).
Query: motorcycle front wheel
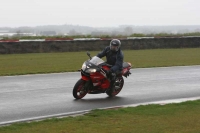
(79, 90)
(119, 83)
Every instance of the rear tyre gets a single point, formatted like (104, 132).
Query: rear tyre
(119, 83)
(79, 90)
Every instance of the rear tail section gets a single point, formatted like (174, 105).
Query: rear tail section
(126, 69)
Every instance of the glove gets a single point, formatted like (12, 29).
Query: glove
(108, 73)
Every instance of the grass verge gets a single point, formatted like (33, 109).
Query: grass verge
(170, 118)
(19, 64)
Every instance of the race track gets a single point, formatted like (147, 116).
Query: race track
(36, 96)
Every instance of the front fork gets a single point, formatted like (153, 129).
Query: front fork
(88, 85)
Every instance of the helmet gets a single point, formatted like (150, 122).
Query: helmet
(115, 44)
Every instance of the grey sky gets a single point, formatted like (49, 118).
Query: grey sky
(15, 13)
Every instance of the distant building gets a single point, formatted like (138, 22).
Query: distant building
(9, 34)
(5, 34)
(4, 31)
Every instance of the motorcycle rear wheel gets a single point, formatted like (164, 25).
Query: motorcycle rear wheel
(118, 88)
(79, 91)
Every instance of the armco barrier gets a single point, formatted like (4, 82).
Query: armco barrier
(31, 40)
(9, 40)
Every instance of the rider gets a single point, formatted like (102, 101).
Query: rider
(114, 57)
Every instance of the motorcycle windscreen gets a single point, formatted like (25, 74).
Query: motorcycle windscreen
(96, 60)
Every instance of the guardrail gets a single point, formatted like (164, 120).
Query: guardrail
(88, 39)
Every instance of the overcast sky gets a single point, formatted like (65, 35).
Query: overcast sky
(101, 13)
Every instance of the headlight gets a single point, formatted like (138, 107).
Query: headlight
(91, 70)
(83, 66)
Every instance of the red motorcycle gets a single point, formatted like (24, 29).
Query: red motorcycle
(94, 79)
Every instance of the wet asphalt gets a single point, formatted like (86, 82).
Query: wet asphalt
(34, 96)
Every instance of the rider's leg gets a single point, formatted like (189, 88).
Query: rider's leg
(112, 81)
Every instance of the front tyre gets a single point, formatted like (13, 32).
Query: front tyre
(79, 90)
(119, 83)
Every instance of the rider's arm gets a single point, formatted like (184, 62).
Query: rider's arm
(102, 53)
(119, 63)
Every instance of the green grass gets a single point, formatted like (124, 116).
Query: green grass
(18, 64)
(171, 118)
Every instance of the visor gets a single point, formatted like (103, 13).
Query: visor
(114, 48)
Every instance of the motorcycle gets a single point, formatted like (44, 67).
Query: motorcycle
(94, 79)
